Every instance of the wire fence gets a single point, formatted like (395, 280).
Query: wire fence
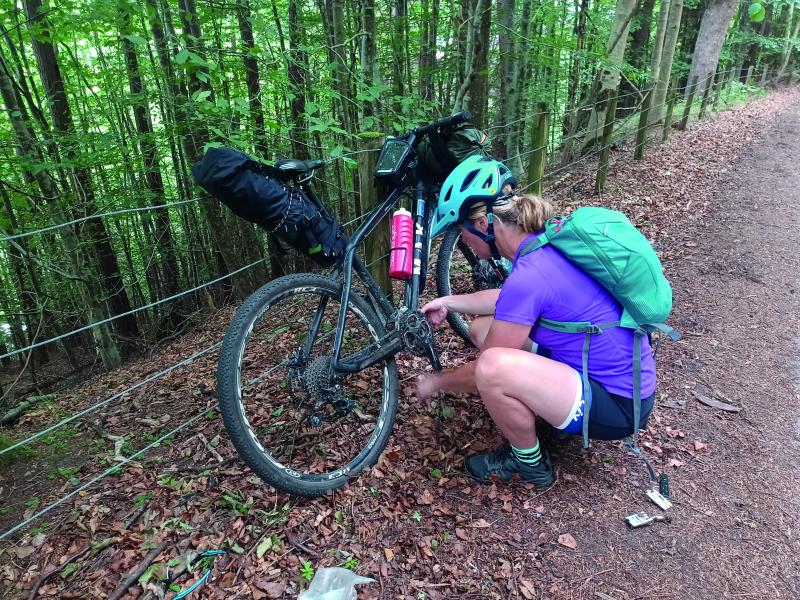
(208, 351)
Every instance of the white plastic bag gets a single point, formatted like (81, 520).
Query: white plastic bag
(334, 583)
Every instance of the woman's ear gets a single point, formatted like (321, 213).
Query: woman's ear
(481, 224)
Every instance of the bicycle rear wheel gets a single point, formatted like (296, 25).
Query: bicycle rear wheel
(459, 271)
(301, 428)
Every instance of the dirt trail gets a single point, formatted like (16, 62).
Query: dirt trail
(735, 529)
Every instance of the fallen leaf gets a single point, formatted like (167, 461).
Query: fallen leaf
(565, 539)
(273, 589)
(388, 553)
(462, 534)
(674, 462)
(23, 551)
(425, 497)
(480, 523)
(698, 445)
(527, 589)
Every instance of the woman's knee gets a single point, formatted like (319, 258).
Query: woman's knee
(491, 368)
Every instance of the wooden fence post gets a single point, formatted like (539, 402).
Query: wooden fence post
(641, 132)
(605, 148)
(376, 246)
(764, 77)
(749, 74)
(539, 137)
(729, 81)
(719, 84)
(672, 95)
(688, 108)
(706, 91)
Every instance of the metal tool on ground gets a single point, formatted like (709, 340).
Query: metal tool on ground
(642, 519)
(658, 499)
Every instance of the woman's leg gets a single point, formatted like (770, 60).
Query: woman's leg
(517, 386)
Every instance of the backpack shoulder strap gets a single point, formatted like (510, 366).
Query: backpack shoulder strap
(534, 244)
(588, 329)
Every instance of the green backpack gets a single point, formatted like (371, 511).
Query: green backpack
(443, 149)
(604, 244)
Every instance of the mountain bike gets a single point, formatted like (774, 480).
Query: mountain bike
(307, 379)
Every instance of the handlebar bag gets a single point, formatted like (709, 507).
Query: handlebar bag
(443, 149)
(251, 190)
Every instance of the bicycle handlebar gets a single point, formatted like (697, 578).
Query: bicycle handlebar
(462, 117)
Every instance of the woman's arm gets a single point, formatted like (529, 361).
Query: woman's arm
(477, 303)
(462, 380)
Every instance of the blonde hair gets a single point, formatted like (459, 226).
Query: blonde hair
(525, 210)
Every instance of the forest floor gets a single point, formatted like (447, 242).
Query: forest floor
(722, 203)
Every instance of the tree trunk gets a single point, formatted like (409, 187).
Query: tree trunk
(427, 48)
(297, 69)
(713, 29)
(516, 122)
(571, 116)
(470, 58)
(194, 142)
(243, 14)
(53, 84)
(370, 74)
(505, 18)
(479, 90)
(29, 292)
(640, 38)
(664, 74)
(789, 45)
(608, 78)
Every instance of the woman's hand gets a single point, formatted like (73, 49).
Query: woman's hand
(436, 311)
(427, 385)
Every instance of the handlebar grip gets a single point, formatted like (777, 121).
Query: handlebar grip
(463, 117)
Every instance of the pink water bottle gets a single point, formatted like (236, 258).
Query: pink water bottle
(401, 256)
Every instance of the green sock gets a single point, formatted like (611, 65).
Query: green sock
(531, 456)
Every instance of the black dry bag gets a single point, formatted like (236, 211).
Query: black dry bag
(253, 191)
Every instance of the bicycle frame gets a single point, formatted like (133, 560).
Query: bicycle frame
(350, 263)
(393, 343)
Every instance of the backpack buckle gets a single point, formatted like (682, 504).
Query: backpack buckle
(593, 330)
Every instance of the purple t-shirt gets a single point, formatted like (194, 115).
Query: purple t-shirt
(545, 284)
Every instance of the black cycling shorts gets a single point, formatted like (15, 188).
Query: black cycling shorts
(611, 415)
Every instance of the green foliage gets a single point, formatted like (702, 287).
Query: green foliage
(196, 91)
(67, 473)
(756, 12)
(307, 571)
(9, 458)
(236, 502)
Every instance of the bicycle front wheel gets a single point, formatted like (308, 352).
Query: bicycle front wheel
(459, 271)
(298, 425)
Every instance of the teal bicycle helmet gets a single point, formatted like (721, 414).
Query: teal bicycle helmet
(478, 179)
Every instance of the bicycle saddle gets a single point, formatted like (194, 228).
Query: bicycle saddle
(292, 168)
